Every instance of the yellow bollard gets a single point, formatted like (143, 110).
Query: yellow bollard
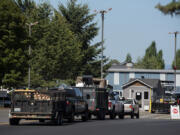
(150, 102)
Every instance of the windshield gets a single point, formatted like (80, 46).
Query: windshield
(128, 101)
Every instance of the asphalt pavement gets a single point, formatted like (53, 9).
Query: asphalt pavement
(96, 127)
(148, 124)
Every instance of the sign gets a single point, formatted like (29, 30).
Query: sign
(161, 100)
(175, 112)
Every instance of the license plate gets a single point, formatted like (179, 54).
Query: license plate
(17, 109)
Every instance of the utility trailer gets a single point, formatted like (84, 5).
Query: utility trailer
(37, 105)
(96, 94)
(162, 105)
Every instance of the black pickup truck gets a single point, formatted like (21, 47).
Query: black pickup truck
(55, 104)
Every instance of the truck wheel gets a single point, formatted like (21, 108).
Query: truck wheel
(89, 116)
(101, 115)
(85, 116)
(60, 119)
(41, 120)
(132, 115)
(71, 119)
(14, 121)
(112, 114)
(137, 115)
(121, 116)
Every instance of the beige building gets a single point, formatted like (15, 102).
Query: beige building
(143, 90)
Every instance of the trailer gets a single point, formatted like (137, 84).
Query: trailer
(162, 105)
(37, 105)
(95, 92)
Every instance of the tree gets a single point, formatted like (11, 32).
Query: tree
(152, 59)
(128, 58)
(13, 44)
(81, 24)
(177, 60)
(58, 54)
(172, 8)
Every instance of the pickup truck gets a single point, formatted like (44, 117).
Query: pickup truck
(131, 108)
(55, 104)
(115, 106)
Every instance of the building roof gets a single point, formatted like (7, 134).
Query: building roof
(119, 68)
(151, 83)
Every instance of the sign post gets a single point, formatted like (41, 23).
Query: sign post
(175, 112)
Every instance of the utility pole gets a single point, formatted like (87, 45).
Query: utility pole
(175, 59)
(29, 70)
(102, 12)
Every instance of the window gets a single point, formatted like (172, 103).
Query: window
(78, 92)
(138, 96)
(146, 95)
(116, 78)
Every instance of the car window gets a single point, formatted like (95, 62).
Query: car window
(70, 93)
(78, 92)
(111, 96)
(128, 101)
(135, 102)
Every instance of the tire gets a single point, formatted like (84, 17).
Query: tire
(89, 116)
(101, 115)
(59, 119)
(85, 116)
(112, 114)
(71, 119)
(121, 116)
(137, 115)
(41, 121)
(132, 115)
(14, 121)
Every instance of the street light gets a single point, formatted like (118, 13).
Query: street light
(175, 37)
(102, 12)
(29, 70)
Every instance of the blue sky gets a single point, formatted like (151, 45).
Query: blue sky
(132, 25)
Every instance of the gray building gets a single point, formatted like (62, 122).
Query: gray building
(143, 90)
(120, 74)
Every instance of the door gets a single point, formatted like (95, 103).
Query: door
(80, 101)
(139, 98)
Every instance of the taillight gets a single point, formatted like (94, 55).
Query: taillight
(109, 104)
(130, 106)
(67, 102)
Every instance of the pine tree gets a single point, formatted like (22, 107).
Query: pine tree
(128, 58)
(177, 60)
(172, 8)
(58, 54)
(13, 44)
(151, 59)
(81, 23)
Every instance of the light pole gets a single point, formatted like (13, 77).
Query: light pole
(102, 12)
(29, 70)
(175, 37)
